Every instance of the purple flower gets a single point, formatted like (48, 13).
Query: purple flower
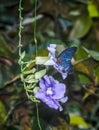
(53, 61)
(51, 92)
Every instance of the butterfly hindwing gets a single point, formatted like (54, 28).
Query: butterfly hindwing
(64, 59)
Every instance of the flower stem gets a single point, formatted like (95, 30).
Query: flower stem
(35, 41)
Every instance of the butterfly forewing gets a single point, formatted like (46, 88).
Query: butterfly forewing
(64, 59)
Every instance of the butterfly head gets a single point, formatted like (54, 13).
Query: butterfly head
(59, 60)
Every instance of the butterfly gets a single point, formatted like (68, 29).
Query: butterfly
(64, 59)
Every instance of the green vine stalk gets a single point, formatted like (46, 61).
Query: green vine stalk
(28, 75)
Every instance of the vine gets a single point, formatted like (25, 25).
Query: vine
(49, 89)
(29, 77)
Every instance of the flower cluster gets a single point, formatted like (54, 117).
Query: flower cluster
(53, 61)
(51, 92)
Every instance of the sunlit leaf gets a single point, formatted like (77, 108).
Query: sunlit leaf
(41, 60)
(40, 74)
(29, 71)
(30, 79)
(22, 55)
(79, 121)
(92, 9)
(94, 54)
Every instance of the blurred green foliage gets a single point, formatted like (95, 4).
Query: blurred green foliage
(65, 23)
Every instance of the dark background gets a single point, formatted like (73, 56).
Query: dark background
(65, 23)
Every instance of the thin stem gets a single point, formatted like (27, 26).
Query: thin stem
(20, 27)
(20, 37)
(38, 120)
(35, 40)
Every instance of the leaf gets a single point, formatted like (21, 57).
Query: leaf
(30, 79)
(94, 54)
(32, 71)
(40, 74)
(22, 55)
(89, 91)
(79, 121)
(87, 67)
(2, 113)
(41, 60)
(81, 27)
(81, 53)
(82, 68)
(97, 75)
(92, 9)
(83, 79)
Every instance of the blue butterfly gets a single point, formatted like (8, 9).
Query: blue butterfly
(64, 59)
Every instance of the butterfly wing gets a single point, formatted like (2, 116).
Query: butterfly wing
(64, 59)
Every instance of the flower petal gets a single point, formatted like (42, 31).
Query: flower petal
(59, 90)
(46, 99)
(52, 48)
(53, 81)
(42, 84)
(40, 94)
(52, 104)
(47, 80)
(59, 69)
(63, 100)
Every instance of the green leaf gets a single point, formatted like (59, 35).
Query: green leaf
(22, 55)
(79, 121)
(30, 86)
(32, 71)
(40, 74)
(83, 79)
(92, 9)
(2, 113)
(30, 79)
(81, 53)
(35, 89)
(41, 60)
(94, 54)
(81, 27)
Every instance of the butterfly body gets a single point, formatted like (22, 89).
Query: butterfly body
(64, 59)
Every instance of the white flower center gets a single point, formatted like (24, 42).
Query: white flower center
(49, 91)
